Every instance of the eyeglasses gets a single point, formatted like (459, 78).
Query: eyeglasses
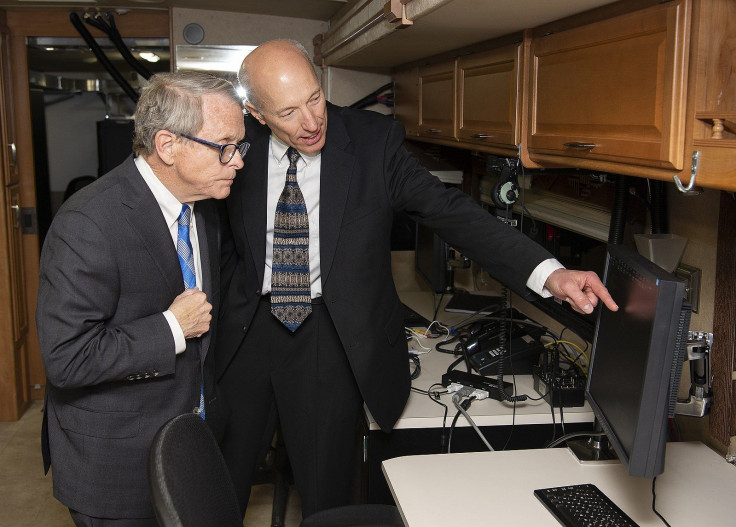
(227, 151)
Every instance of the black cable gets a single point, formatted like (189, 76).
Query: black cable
(465, 404)
(654, 498)
(100, 55)
(371, 97)
(436, 310)
(573, 435)
(417, 366)
(110, 29)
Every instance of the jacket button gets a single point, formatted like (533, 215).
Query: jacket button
(245, 328)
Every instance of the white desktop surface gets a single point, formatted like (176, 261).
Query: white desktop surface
(421, 412)
(697, 488)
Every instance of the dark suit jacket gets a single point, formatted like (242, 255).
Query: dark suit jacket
(108, 271)
(366, 175)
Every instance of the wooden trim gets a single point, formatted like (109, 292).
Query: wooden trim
(722, 425)
(56, 23)
(51, 23)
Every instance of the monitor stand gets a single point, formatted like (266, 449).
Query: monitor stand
(595, 449)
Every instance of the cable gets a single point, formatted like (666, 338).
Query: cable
(459, 406)
(417, 366)
(452, 429)
(573, 435)
(654, 498)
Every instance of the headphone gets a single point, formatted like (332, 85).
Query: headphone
(506, 191)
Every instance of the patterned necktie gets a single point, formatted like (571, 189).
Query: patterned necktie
(186, 262)
(290, 286)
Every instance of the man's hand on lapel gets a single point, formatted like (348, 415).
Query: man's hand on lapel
(192, 311)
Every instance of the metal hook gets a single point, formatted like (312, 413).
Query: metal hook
(693, 173)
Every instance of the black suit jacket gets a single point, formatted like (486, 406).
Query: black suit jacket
(108, 271)
(366, 175)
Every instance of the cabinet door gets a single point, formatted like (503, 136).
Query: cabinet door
(15, 260)
(406, 99)
(487, 95)
(613, 90)
(6, 112)
(437, 100)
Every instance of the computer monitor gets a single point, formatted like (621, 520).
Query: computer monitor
(637, 357)
(430, 260)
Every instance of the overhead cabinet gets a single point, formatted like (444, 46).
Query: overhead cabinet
(612, 90)
(437, 101)
(488, 112)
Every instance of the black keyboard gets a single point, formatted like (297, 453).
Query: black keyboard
(583, 506)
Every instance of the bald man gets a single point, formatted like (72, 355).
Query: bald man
(308, 337)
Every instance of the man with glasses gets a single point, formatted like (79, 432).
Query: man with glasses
(129, 278)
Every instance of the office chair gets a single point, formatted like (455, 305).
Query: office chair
(189, 482)
(191, 486)
(356, 516)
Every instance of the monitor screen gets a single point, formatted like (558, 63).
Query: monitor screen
(637, 355)
(430, 259)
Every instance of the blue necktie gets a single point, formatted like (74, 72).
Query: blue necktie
(291, 301)
(186, 262)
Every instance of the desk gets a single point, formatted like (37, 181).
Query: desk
(418, 430)
(421, 412)
(496, 488)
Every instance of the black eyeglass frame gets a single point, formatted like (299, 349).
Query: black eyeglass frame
(240, 147)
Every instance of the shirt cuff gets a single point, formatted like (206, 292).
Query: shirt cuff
(180, 344)
(540, 274)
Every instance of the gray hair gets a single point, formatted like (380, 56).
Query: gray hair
(246, 82)
(173, 101)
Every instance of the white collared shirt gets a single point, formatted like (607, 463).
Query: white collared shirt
(171, 208)
(307, 176)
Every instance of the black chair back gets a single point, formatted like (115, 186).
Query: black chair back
(189, 482)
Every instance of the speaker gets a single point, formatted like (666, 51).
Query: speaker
(193, 33)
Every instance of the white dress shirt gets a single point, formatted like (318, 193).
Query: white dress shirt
(308, 178)
(171, 208)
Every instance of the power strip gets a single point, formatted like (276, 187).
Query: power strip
(471, 380)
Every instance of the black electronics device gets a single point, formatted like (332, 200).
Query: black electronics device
(463, 302)
(477, 381)
(412, 319)
(486, 353)
(634, 370)
(430, 260)
(559, 387)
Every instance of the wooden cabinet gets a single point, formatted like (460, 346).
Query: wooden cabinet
(10, 172)
(406, 99)
(437, 100)
(14, 387)
(488, 90)
(612, 90)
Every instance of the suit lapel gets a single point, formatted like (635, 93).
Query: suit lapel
(209, 259)
(253, 194)
(335, 176)
(148, 222)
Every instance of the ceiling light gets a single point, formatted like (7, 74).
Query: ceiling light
(150, 57)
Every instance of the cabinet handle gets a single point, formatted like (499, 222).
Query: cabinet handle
(479, 136)
(434, 131)
(16, 211)
(13, 154)
(576, 144)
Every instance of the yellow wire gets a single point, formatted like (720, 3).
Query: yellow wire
(574, 361)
